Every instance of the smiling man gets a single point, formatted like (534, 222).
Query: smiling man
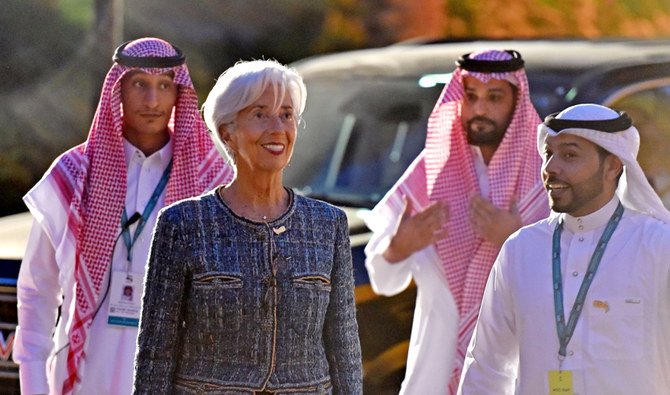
(94, 213)
(442, 224)
(579, 303)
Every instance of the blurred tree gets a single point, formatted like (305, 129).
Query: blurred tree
(56, 52)
(33, 41)
(36, 45)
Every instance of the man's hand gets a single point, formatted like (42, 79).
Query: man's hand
(492, 223)
(414, 233)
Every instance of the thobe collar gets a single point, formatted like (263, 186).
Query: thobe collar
(592, 221)
(163, 155)
(481, 170)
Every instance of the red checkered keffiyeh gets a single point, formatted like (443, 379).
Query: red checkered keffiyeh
(91, 184)
(445, 171)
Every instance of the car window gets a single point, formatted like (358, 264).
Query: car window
(359, 136)
(648, 107)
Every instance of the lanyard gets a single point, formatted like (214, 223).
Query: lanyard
(145, 214)
(565, 332)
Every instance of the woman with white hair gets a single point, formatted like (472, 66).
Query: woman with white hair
(250, 286)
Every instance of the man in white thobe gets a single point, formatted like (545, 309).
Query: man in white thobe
(94, 212)
(579, 303)
(443, 222)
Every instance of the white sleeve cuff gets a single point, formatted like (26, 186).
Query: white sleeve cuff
(33, 376)
(387, 278)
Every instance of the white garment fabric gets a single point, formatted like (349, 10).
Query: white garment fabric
(435, 323)
(620, 344)
(44, 282)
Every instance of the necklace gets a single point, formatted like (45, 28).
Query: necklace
(244, 211)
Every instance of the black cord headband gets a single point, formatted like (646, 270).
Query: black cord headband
(619, 124)
(491, 66)
(148, 61)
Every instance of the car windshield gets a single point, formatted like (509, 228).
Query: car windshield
(359, 137)
(361, 133)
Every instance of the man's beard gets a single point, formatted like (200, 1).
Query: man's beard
(490, 134)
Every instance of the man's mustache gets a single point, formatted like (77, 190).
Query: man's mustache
(480, 118)
(552, 180)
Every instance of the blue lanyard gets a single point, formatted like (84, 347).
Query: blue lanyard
(145, 214)
(565, 332)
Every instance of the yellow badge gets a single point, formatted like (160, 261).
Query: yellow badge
(560, 382)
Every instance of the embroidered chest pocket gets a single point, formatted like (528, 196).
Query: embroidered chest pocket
(309, 300)
(218, 297)
(216, 280)
(616, 328)
(319, 283)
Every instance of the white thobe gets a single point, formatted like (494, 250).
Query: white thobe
(432, 347)
(621, 344)
(44, 282)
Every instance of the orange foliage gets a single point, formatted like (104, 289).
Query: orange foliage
(398, 20)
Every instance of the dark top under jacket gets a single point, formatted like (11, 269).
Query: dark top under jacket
(233, 306)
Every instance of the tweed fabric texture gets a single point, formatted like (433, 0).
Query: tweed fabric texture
(233, 306)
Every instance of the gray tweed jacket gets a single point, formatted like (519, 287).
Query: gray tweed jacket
(233, 306)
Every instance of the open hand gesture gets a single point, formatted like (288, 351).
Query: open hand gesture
(491, 223)
(415, 232)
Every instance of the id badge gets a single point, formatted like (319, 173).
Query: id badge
(125, 300)
(560, 382)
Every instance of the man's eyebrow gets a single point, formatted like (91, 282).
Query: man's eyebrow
(570, 144)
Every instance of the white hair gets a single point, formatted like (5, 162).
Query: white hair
(241, 85)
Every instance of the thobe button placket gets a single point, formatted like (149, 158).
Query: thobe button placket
(571, 353)
(575, 274)
(581, 238)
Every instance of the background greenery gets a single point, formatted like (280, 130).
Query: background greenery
(55, 53)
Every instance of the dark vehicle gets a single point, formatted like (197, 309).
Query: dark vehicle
(365, 121)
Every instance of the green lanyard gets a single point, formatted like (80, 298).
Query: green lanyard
(145, 214)
(565, 332)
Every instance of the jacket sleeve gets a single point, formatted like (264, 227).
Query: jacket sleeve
(160, 324)
(341, 328)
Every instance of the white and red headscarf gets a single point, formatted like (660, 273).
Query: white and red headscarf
(445, 171)
(90, 184)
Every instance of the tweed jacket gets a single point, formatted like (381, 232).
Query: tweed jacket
(233, 306)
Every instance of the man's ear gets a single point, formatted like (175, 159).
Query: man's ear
(614, 166)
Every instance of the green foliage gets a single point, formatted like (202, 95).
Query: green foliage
(77, 12)
(33, 40)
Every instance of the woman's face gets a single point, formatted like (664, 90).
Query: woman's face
(262, 137)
